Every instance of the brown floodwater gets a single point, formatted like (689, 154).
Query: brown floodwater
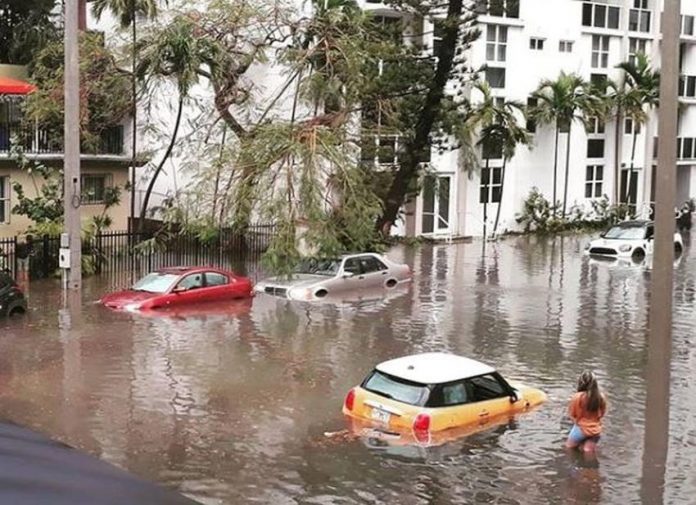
(231, 405)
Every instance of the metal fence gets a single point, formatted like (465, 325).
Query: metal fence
(121, 254)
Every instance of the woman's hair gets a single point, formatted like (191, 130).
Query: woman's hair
(587, 383)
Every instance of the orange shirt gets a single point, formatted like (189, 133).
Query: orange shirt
(589, 422)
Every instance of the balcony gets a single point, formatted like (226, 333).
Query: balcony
(40, 141)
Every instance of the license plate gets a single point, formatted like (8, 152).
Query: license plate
(380, 416)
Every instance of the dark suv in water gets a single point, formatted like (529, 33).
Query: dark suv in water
(12, 299)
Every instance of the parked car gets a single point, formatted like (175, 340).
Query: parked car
(318, 278)
(178, 286)
(434, 392)
(12, 300)
(629, 239)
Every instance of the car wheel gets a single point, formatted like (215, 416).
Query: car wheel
(321, 293)
(15, 311)
(391, 283)
(638, 255)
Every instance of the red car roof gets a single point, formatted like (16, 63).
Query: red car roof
(189, 269)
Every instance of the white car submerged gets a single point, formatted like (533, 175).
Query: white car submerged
(318, 278)
(629, 239)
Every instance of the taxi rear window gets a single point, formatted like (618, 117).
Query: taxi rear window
(397, 389)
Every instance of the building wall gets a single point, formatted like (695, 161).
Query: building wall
(119, 214)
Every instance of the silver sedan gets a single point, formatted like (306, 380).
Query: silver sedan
(319, 278)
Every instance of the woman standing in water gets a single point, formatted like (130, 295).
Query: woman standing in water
(586, 409)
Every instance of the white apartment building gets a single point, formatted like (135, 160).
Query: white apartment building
(523, 42)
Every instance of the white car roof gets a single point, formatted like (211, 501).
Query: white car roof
(434, 368)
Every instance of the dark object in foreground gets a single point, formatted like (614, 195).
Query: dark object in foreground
(35, 470)
(12, 300)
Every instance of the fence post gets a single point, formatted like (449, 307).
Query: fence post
(46, 255)
(98, 252)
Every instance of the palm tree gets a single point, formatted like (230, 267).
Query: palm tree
(127, 12)
(499, 132)
(558, 102)
(641, 90)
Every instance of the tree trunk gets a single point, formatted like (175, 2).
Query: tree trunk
(485, 200)
(151, 186)
(617, 157)
(500, 204)
(408, 171)
(629, 181)
(567, 170)
(217, 176)
(555, 170)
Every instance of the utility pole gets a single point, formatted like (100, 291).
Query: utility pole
(71, 260)
(656, 439)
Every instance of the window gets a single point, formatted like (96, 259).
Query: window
(386, 151)
(599, 82)
(193, 281)
(687, 86)
(636, 46)
(390, 28)
(600, 15)
(536, 44)
(565, 46)
(595, 126)
(495, 77)
(595, 148)
(352, 265)
(639, 17)
(215, 279)
(500, 8)
(491, 184)
(531, 123)
(94, 188)
(396, 388)
(496, 42)
(686, 147)
(687, 25)
(629, 125)
(600, 51)
(594, 176)
(437, 36)
(4, 200)
(370, 264)
(448, 395)
(487, 387)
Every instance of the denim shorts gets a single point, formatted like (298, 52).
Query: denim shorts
(578, 437)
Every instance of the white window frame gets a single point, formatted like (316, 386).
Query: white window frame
(5, 199)
(602, 23)
(681, 148)
(688, 20)
(536, 43)
(488, 188)
(596, 126)
(496, 42)
(565, 46)
(628, 126)
(637, 45)
(600, 51)
(686, 83)
(92, 200)
(593, 183)
(640, 10)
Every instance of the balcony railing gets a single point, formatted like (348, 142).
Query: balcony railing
(44, 141)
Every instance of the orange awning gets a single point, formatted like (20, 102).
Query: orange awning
(15, 87)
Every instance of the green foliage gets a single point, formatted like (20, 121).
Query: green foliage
(538, 215)
(25, 27)
(105, 94)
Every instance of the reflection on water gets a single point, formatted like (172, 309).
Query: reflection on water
(231, 405)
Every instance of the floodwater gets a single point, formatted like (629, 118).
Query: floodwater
(232, 406)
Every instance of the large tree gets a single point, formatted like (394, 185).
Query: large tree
(433, 104)
(25, 28)
(561, 102)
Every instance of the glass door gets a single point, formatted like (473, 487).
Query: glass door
(436, 204)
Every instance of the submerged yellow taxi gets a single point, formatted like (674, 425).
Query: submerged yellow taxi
(433, 392)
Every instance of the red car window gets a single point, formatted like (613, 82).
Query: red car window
(192, 281)
(215, 279)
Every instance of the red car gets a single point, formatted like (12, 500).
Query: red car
(177, 286)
